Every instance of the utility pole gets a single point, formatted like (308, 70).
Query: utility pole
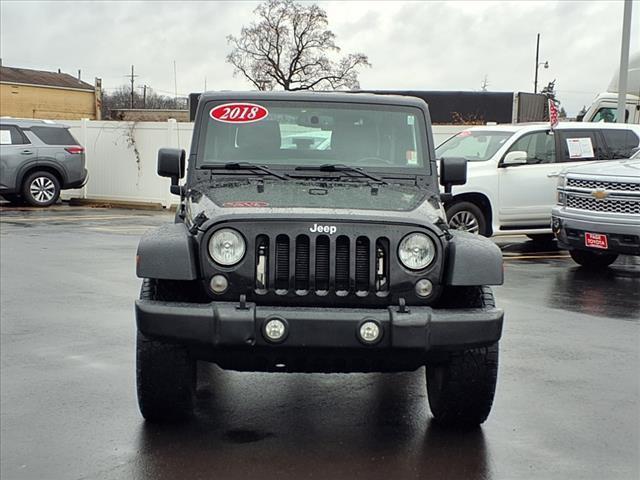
(624, 62)
(175, 84)
(538, 63)
(132, 77)
(535, 81)
(144, 96)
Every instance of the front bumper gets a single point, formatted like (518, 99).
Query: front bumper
(225, 325)
(623, 232)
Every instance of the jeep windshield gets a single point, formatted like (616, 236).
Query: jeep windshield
(283, 135)
(474, 145)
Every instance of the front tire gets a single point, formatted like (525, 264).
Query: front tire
(461, 390)
(165, 372)
(593, 260)
(468, 217)
(41, 189)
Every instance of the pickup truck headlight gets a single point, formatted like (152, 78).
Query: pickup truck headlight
(562, 181)
(416, 251)
(227, 247)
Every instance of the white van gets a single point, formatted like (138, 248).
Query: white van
(513, 170)
(605, 106)
(605, 109)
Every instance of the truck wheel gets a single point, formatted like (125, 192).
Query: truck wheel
(593, 260)
(41, 189)
(468, 217)
(461, 390)
(165, 372)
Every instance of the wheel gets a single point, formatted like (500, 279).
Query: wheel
(542, 238)
(593, 260)
(165, 372)
(468, 217)
(41, 189)
(461, 391)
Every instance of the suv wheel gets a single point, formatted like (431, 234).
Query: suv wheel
(461, 390)
(41, 189)
(165, 372)
(468, 217)
(593, 260)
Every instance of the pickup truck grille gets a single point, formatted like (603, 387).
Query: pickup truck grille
(624, 206)
(604, 185)
(319, 264)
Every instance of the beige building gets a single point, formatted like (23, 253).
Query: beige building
(26, 93)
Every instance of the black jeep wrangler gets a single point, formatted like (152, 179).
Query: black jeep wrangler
(311, 237)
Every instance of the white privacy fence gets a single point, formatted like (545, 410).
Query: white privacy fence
(121, 158)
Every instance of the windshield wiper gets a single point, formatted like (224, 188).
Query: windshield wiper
(242, 166)
(338, 167)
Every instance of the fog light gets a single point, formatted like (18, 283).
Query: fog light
(424, 288)
(275, 330)
(369, 332)
(218, 284)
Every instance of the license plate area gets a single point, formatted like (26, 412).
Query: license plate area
(596, 240)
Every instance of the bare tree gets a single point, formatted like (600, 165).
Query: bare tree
(291, 46)
(121, 98)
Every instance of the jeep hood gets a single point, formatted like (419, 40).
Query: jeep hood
(316, 194)
(323, 199)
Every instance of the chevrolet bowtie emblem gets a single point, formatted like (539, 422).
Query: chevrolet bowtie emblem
(600, 194)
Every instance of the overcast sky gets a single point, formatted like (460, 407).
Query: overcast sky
(411, 45)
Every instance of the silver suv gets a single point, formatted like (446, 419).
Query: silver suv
(38, 159)
(598, 212)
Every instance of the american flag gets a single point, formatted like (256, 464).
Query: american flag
(553, 113)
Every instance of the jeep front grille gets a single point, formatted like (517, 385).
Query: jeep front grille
(321, 264)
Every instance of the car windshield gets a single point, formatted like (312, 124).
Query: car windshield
(294, 133)
(474, 145)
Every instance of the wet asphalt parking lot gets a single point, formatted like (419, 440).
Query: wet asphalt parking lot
(567, 403)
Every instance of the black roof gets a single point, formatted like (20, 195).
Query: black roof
(316, 96)
(42, 78)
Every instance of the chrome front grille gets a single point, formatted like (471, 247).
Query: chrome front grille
(609, 205)
(603, 185)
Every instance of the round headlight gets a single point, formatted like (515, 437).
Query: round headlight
(226, 247)
(416, 251)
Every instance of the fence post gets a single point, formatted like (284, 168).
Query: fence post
(84, 123)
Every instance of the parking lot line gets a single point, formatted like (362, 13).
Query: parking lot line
(537, 257)
(67, 218)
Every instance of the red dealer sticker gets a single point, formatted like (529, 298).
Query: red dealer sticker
(238, 113)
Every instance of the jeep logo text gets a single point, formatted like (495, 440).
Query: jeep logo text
(330, 229)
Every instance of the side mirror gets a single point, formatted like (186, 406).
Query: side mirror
(515, 158)
(171, 164)
(580, 117)
(453, 171)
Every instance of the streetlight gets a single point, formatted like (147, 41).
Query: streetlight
(538, 63)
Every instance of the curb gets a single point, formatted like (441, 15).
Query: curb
(87, 202)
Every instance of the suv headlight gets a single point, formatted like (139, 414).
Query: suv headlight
(416, 251)
(226, 247)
